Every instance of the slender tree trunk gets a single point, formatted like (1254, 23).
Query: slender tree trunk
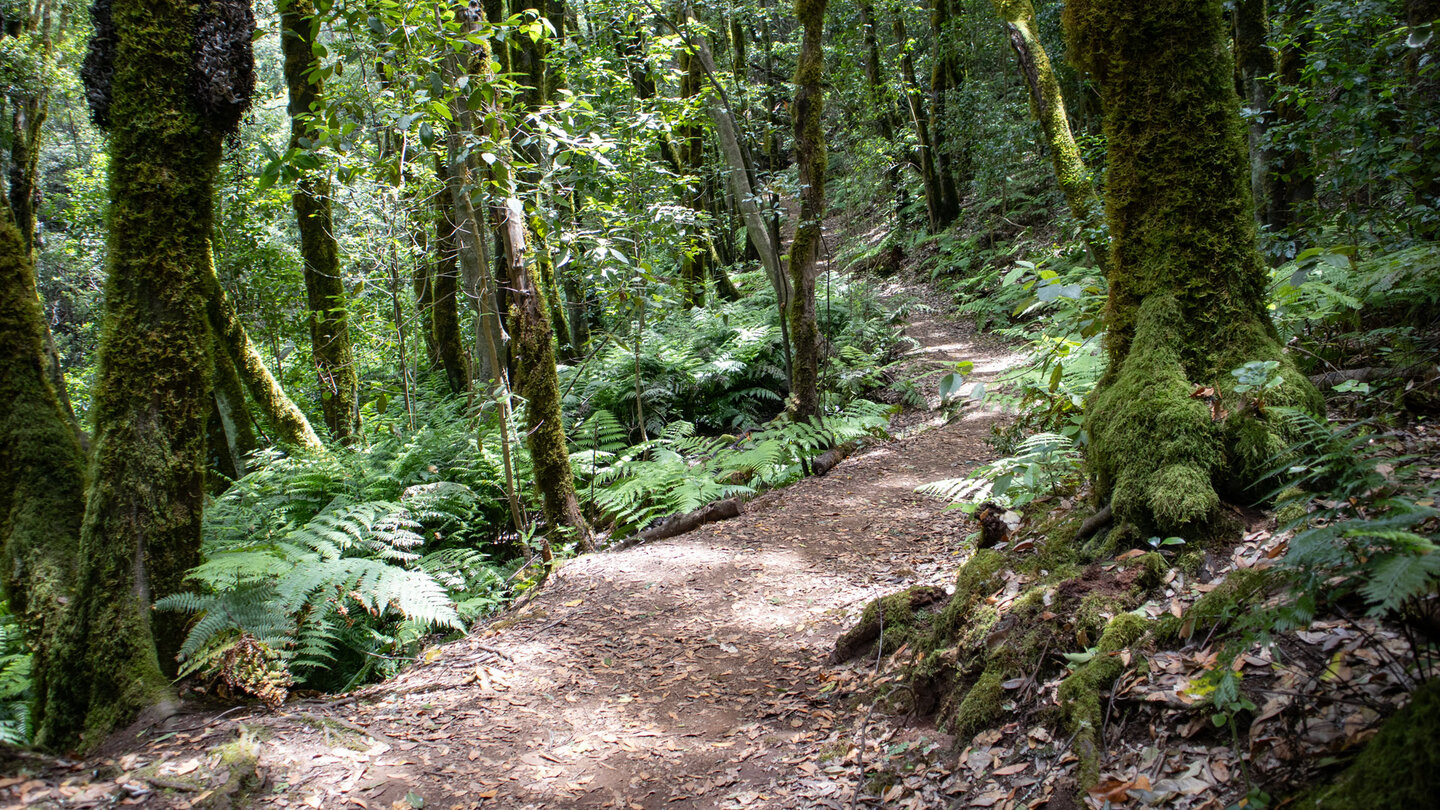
(530, 328)
(1187, 286)
(883, 111)
(805, 250)
(1256, 64)
(422, 282)
(286, 419)
(231, 430)
(444, 291)
(324, 284)
(950, 163)
(1049, 107)
(42, 484)
(693, 256)
(1294, 181)
(930, 180)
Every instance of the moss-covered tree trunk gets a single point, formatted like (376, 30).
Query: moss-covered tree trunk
(444, 293)
(939, 217)
(1049, 106)
(805, 250)
(42, 474)
(324, 284)
(1187, 285)
(531, 336)
(289, 423)
(170, 80)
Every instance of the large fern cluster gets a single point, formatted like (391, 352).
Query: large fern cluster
(721, 367)
(630, 487)
(341, 563)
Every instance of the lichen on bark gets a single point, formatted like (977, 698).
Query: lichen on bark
(805, 249)
(1186, 283)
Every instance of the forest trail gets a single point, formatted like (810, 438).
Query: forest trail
(686, 673)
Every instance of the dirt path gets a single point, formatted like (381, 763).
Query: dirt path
(687, 673)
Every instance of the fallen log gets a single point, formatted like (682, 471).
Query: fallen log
(1330, 379)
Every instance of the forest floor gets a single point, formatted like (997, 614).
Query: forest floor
(686, 673)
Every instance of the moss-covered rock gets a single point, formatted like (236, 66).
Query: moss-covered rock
(1400, 767)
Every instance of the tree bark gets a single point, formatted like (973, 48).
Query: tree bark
(1256, 64)
(444, 290)
(1049, 106)
(1187, 286)
(42, 483)
(141, 531)
(805, 250)
(925, 151)
(324, 284)
(292, 428)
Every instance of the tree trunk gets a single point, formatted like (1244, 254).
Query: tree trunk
(883, 110)
(42, 483)
(692, 154)
(231, 430)
(1049, 107)
(1293, 173)
(944, 75)
(531, 339)
(1187, 286)
(805, 250)
(444, 289)
(934, 204)
(141, 531)
(1256, 64)
(324, 284)
(291, 427)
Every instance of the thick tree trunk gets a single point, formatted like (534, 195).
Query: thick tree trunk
(42, 482)
(1187, 285)
(141, 532)
(805, 250)
(1049, 107)
(324, 284)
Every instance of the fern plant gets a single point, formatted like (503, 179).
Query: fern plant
(679, 471)
(1042, 464)
(333, 568)
(1373, 533)
(15, 683)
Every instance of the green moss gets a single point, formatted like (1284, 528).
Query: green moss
(977, 578)
(1186, 302)
(982, 706)
(42, 475)
(1080, 692)
(1189, 563)
(1400, 767)
(141, 531)
(1240, 592)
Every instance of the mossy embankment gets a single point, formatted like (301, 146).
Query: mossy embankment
(1048, 607)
